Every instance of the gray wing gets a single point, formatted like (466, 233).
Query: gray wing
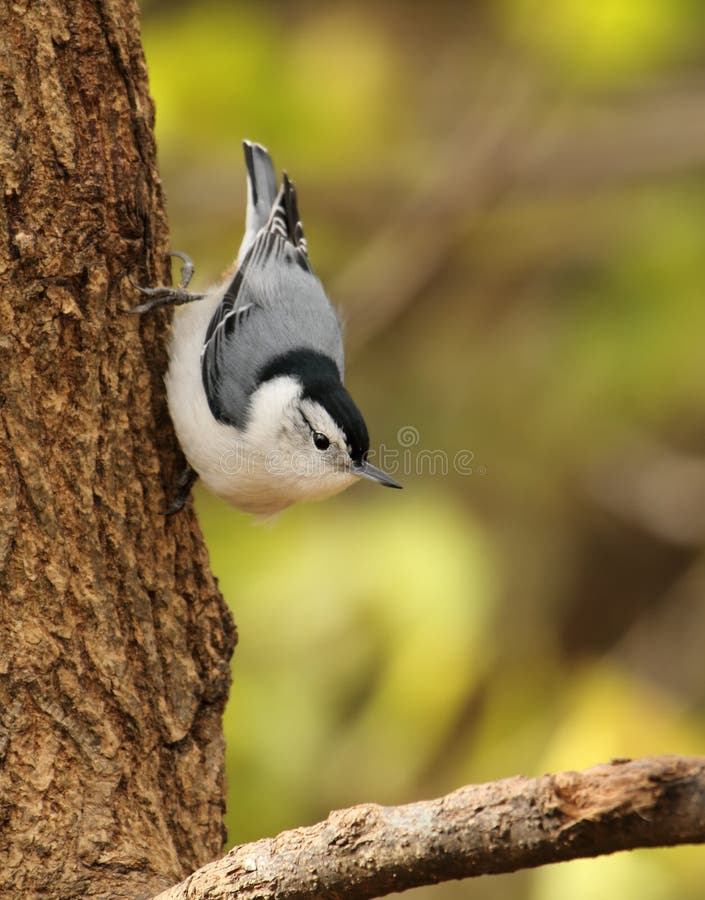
(273, 304)
(261, 192)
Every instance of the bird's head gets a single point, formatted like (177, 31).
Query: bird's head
(308, 429)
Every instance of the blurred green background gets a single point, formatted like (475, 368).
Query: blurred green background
(507, 199)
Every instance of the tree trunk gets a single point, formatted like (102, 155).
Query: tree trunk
(114, 640)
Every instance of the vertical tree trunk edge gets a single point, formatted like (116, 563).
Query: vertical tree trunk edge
(114, 640)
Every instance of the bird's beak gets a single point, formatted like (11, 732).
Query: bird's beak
(366, 470)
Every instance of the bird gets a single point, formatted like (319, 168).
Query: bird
(254, 383)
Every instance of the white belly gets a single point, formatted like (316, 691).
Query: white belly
(211, 447)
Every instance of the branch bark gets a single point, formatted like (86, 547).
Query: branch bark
(369, 850)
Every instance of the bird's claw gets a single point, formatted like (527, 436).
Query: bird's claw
(187, 268)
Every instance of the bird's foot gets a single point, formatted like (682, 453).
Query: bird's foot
(186, 481)
(167, 296)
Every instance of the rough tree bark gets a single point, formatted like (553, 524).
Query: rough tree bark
(114, 641)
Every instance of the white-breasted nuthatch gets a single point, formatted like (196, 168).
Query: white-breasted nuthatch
(255, 379)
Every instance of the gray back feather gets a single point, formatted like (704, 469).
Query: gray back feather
(273, 305)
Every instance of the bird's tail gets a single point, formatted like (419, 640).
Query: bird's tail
(261, 192)
(284, 219)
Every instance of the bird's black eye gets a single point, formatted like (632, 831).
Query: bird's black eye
(320, 440)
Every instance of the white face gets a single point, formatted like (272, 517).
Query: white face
(304, 452)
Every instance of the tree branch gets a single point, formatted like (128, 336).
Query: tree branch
(370, 850)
